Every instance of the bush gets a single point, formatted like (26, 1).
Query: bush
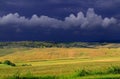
(12, 64)
(7, 62)
(0, 62)
(26, 65)
(83, 72)
(114, 70)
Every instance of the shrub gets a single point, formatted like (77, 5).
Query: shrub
(114, 70)
(7, 62)
(26, 65)
(12, 64)
(83, 72)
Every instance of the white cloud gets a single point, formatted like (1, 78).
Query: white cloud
(107, 21)
(90, 20)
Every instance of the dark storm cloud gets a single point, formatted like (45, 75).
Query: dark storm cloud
(62, 20)
(108, 3)
(59, 8)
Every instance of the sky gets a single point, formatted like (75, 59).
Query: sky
(60, 20)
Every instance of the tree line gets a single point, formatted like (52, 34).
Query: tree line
(38, 44)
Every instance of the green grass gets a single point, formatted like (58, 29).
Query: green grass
(80, 74)
(66, 70)
(4, 65)
(109, 76)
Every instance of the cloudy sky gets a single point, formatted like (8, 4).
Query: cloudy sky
(60, 20)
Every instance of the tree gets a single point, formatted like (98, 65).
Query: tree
(7, 62)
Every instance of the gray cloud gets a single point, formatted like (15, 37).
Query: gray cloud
(90, 20)
(107, 3)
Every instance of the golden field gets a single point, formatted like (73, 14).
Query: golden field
(38, 54)
(57, 61)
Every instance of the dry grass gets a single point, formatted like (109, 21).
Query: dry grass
(38, 54)
(57, 61)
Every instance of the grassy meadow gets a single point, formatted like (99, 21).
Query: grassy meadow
(61, 63)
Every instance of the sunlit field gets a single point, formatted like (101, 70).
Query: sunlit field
(61, 63)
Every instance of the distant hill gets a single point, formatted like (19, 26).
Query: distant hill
(37, 44)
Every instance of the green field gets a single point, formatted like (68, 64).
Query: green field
(61, 63)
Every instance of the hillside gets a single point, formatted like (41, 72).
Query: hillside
(37, 44)
(40, 54)
(60, 61)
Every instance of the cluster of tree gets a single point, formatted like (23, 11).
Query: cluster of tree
(37, 44)
(7, 62)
